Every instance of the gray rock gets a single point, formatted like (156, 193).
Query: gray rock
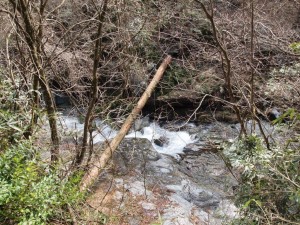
(133, 154)
(134, 221)
(195, 188)
(273, 114)
(62, 100)
(139, 124)
(161, 141)
(253, 127)
(148, 206)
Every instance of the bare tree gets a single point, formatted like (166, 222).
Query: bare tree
(226, 64)
(28, 18)
(94, 87)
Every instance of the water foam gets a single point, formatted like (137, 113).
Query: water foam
(176, 141)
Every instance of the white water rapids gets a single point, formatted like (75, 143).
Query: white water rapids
(176, 141)
(193, 186)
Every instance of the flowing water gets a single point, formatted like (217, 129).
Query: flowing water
(168, 176)
(175, 141)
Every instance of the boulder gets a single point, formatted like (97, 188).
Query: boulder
(193, 190)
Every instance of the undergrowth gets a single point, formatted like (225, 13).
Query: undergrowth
(269, 185)
(31, 192)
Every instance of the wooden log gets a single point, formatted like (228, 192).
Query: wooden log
(95, 170)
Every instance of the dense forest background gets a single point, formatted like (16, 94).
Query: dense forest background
(232, 61)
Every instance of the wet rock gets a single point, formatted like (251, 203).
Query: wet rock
(193, 190)
(209, 169)
(62, 100)
(162, 141)
(164, 165)
(195, 194)
(133, 154)
(178, 126)
(193, 147)
(139, 124)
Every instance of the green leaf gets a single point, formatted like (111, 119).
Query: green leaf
(295, 46)
(257, 202)
(14, 127)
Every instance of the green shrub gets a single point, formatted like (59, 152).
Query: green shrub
(31, 193)
(295, 47)
(269, 189)
(177, 75)
(14, 112)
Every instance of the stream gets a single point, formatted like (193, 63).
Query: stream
(169, 174)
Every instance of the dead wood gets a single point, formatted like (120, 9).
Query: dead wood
(93, 173)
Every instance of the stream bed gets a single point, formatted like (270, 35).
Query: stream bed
(170, 174)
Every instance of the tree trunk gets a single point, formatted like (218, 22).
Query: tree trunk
(226, 64)
(33, 38)
(94, 87)
(93, 173)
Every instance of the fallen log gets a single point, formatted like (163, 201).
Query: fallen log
(95, 170)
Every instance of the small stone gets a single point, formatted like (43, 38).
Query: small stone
(118, 195)
(164, 170)
(148, 206)
(161, 141)
(273, 114)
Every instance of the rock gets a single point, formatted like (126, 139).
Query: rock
(193, 190)
(62, 100)
(268, 129)
(134, 221)
(133, 153)
(148, 206)
(193, 147)
(192, 193)
(272, 114)
(188, 95)
(162, 141)
(138, 188)
(164, 164)
(139, 124)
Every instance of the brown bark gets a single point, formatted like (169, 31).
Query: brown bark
(226, 63)
(93, 173)
(252, 96)
(33, 38)
(94, 87)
